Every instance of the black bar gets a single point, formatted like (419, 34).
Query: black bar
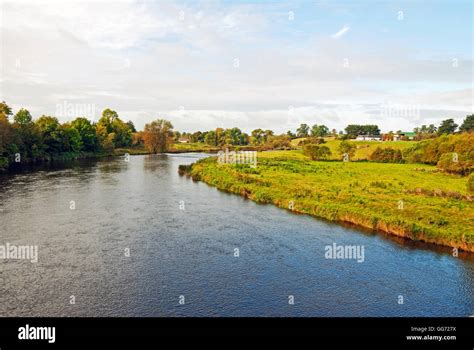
(355, 331)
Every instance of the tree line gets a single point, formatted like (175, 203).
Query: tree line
(45, 138)
(23, 139)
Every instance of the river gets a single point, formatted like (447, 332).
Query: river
(118, 238)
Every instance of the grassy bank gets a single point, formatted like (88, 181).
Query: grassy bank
(408, 200)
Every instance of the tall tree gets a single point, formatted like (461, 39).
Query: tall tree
(302, 131)
(467, 124)
(158, 135)
(50, 134)
(5, 109)
(131, 126)
(447, 126)
(26, 133)
(87, 132)
(211, 138)
(319, 130)
(107, 119)
(257, 136)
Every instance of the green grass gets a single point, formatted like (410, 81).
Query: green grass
(437, 207)
(193, 147)
(176, 147)
(364, 148)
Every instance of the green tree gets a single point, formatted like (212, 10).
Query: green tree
(71, 137)
(316, 152)
(131, 126)
(87, 132)
(107, 119)
(352, 130)
(346, 147)
(26, 134)
(235, 136)
(302, 131)
(50, 134)
(467, 124)
(211, 138)
(23, 117)
(447, 126)
(6, 134)
(319, 130)
(123, 134)
(258, 136)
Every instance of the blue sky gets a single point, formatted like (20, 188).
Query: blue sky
(268, 64)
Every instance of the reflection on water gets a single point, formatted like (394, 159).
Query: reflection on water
(182, 237)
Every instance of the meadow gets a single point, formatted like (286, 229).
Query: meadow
(409, 200)
(363, 148)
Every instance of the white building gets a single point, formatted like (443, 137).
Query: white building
(368, 138)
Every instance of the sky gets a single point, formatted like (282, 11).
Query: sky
(262, 64)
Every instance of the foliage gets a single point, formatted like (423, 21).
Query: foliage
(468, 124)
(319, 130)
(46, 138)
(470, 183)
(302, 131)
(431, 152)
(447, 126)
(158, 135)
(354, 129)
(386, 155)
(279, 142)
(316, 152)
(346, 147)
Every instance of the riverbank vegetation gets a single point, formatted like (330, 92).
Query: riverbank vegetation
(24, 140)
(416, 201)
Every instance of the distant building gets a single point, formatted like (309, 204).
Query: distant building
(183, 140)
(406, 135)
(368, 138)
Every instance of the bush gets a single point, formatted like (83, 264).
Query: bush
(386, 155)
(430, 151)
(346, 147)
(470, 183)
(451, 153)
(455, 164)
(279, 142)
(3, 163)
(316, 152)
(312, 140)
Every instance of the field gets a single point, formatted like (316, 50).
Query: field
(364, 148)
(193, 147)
(410, 200)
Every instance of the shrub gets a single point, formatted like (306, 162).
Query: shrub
(386, 155)
(316, 152)
(312, 140)
(470, 183)
(455, 163)
(430, 151)
(346, 147)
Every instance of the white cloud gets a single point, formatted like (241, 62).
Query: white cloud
(145, 59)
(341, 32)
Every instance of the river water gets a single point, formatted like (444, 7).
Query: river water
(118, 238)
